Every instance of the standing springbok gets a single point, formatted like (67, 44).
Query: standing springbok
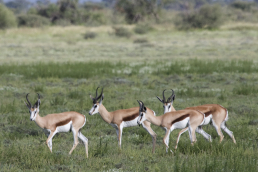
(59, 122)
(214, 113)
(172, 120)
(120, 118)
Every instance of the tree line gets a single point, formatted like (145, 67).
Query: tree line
(184, 14)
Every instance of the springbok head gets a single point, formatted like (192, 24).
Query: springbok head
(142, 113)
(33, 110)
(96, 104)
(168, 105)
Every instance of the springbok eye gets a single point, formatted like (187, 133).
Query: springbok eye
(169, 106)
(95, 106)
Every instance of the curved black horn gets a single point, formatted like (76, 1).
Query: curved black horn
(139, 102)
(96, 93)
(28, 99)
(164, 99)
(100, 94)
(142, 103)
(170, 98)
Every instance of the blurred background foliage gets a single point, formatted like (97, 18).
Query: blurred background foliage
(184, 14)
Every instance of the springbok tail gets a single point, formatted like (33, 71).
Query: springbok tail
(203, 117)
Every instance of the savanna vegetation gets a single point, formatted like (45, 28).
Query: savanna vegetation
(64, 51)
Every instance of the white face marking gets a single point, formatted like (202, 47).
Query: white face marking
(141, 118)
(94, 109)
(33, 114)
(167, 108)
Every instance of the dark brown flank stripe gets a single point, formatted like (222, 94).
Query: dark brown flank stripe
(207, 113)
(61, 123)
(180, 118)
(131, 117)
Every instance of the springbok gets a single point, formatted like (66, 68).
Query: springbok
(214, 113)
(173, 120)
(120, 118)
(59, 122)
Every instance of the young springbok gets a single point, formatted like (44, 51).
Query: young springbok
(59, 122)
(120, 118)
(172, 120)
(214, 113)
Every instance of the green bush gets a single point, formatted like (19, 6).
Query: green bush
(141, 41)
(7, 18)
(31, 20)
(90, 35)
(136, 11)
(122, 32)
(245, 6)
(207, 17)
(67, 12)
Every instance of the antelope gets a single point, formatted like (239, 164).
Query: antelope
(119, 118)
(58, 122)
(214, 113)
(173, 120)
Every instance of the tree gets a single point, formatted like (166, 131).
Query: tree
(7, 18)
(137, 10)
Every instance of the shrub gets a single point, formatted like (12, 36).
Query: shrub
(7, 18)
(67, 12)
(90, 35)
(139, 10)
(31, 20)
(207, 17)
(245, 6)
(142, 29)
(141, 40)
(122, 32)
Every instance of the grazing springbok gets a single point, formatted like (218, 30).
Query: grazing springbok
(214, 113)
(59, 122)
(120, 118)
(172, 120)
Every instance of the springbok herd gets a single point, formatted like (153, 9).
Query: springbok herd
(191, 119)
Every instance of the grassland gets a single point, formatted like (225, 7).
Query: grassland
(201, 66)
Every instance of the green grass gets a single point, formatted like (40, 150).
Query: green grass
(200, 66)
(23, 147)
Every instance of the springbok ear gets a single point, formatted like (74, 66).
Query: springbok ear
(91, 98)
(102, 97)
(140, 103)
(28, 106)
(36, 105)
(173, 98)
(160, 99)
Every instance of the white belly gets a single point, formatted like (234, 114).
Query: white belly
(126, 123)
(207, 120)
(130, 123)
(64, 128)
(181, 124)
